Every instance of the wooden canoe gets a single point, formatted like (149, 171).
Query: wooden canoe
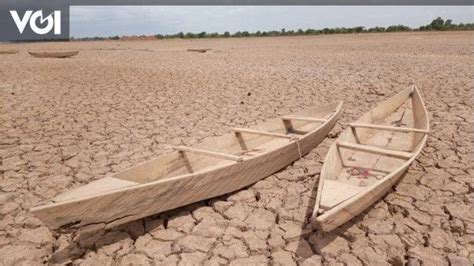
(199, 50)
(10, 51)
(54, 54)
(369, 157)
(215, 167)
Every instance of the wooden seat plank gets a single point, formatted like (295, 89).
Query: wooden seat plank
(304, 118)
(263, 133)
(375, 150)
(210, 153)
(389, 128)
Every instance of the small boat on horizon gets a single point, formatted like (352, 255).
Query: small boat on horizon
(199, 50)
(9, 51)
(369, 157)
(53, 54)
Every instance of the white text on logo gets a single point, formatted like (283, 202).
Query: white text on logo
(52, 21)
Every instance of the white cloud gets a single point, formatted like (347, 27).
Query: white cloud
(130, 20)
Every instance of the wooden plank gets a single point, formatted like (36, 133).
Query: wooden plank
(389, 128)
(420, 115)
(105, 184)
(335, 192)
(375, 150)
(263, 133)
(303, 118)
(210, 153)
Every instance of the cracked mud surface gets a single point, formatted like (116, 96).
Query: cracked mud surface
(66, 122)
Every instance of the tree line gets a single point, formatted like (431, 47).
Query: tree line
(437, 24)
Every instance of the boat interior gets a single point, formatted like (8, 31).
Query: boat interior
(235, 147)
(378, 144)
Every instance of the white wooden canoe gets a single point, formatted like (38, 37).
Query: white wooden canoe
(54, 54)
(215, 167)
(369, 157)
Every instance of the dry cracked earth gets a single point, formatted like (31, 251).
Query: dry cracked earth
(66, 122)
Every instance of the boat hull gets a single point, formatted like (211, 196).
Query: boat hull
(128, 204)
(8, 51)
(53, 54)
(353, 206)
(336, 217)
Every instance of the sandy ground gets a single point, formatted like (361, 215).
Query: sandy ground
(67, 122)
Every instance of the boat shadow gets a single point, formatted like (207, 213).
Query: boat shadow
(93, 237)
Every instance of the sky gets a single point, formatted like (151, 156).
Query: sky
(89, 21)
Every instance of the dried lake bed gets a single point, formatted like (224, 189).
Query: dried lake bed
(66, 122)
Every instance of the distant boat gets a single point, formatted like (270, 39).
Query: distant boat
(199, 50)
(217, 166)
(9, 51)
(54, 54)
(369, 157)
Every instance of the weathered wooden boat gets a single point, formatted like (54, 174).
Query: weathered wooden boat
(214, 167)
(54, 54)
(369, 157)
(9, 51)
(199, 50)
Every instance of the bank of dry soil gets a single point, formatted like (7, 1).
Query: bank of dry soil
(67, 122)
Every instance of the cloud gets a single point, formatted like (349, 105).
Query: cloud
(136, 20)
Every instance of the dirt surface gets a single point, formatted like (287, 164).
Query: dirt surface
(66, 122)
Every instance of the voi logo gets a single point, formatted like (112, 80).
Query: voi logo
(53, 21)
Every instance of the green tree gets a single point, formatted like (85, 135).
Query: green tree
(396, 28)
(376, 29)
(448, 23)
(358, 29)
(437, 23)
